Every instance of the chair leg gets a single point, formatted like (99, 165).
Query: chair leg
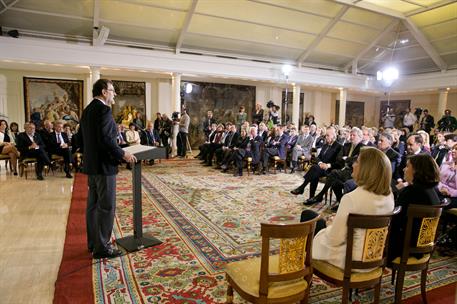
(249, 168)
(274, 169)
(399, 286)
(229, 294)
(423, 282)
(377, 292)
(392, 281)
(345, 297)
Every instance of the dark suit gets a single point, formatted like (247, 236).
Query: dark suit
(439, 153)
(412, 194)
(23, 145)
(149, 138)
(277, 147)
(55, 148)
(207, 126)
(395, 160)
(327, 155)
(46, 138)
(100, 160)
(342, 171)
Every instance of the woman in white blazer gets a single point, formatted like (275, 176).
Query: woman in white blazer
(372, 172)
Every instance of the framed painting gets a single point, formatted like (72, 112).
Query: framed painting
(399, 109)
(52, 99)
(355, 113)
(130, 99)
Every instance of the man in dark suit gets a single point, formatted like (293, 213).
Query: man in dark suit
(150, 136)
(427, 122)
(30, 144)
(59, 144)
(207, 123)
(101, 156)
(45, 134)
(325, 161)
(342, 170)
(276, 147)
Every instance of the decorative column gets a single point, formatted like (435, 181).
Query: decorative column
(94, 75)
(442, 102)
(176, 92)
(296, 105)
(342, 113)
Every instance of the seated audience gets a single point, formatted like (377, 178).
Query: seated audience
(132, 136)
(325, 160)
(303, 146)
(251, 149)
(448, 179)
(59, 144)
(275, 147)
(150, 136)
(14, 131)
(439, 148)
(421, 177)
(372, 173)
(342, 169)
(7, 147)
(30, 144)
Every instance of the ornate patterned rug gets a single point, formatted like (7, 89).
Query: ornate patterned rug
(205, 219)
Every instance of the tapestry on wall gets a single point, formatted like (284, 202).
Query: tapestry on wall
(399, 109)
(130, 100)
(52, 99)
(355, 113)
(223, 99)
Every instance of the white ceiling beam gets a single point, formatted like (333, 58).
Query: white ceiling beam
(425, 44)
(7, 7)
(430, 7)
(389, 28)
(23, 10)
(322, 35)
(373, 8)
(415, 3)
(3, 3)
(96, 21)
(186, 25)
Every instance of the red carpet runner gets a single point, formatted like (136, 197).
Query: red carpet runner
(74, 281)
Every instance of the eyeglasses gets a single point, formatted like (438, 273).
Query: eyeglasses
(112, 90)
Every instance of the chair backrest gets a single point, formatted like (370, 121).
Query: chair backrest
(294, 253)
(375, 243)
(421, 226)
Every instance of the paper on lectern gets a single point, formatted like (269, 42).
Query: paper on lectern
(137, 149)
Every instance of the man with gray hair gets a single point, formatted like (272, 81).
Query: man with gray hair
(342, 170)
(303, 147)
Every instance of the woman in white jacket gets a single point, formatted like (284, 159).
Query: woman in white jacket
(372, 172)
(132, 135)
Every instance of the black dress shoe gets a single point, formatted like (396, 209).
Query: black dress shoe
(292, 171)
(109, 254)
(68, 175)
(297, 191)
(40, 177)
(313, 200)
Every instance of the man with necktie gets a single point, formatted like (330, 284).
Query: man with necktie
(30, 144)
(326, 160)
(60, 145)
(342, 170)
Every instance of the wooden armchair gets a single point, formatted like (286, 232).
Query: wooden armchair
(373, 257)
(7, 159)
(423, 244)
(281, 278)
(24, 164)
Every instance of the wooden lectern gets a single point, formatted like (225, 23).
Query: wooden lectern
(137, 241)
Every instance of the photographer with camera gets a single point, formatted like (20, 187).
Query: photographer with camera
(427, 122)
(184, 123)
(447, 123)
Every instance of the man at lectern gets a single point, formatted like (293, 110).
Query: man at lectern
(101, 156)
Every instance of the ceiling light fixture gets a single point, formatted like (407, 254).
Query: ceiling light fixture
(403, 41)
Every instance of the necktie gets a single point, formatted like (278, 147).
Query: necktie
(351, 150)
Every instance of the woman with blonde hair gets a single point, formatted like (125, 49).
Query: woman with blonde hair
(372, 173)
(426, 138)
